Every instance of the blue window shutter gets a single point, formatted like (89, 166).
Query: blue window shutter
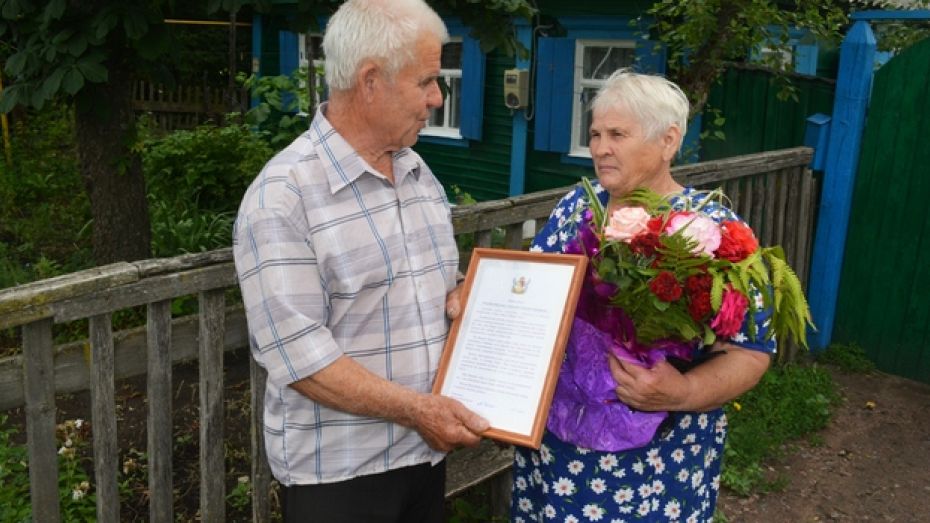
(471, 109)
(650, 57)
(805, 59)
(555, 66)
(287, 52)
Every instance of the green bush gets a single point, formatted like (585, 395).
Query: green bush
(196, 180)
(789, 402)
(44, 211)
(207, 168)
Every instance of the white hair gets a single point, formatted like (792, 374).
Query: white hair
(383, 30)
(655, 101)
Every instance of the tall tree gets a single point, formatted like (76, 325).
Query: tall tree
(703, 37)
(88, 52)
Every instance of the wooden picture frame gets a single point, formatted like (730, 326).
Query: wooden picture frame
(503, 353)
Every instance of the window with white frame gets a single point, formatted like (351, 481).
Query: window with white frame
(595, 60)
(445, 121)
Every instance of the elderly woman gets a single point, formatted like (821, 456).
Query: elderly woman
(637, 126)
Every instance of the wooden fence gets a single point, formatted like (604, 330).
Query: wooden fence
(774, 191)
(186, 106)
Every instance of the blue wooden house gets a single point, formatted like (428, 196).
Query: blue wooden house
(490, 145)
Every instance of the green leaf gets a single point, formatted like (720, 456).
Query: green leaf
(93, 71)
(77, 45)
(73, 81)
(135, 24)
(52, 83)
(716, 291)
(10, 98)
(62, 36)
(54, 10)
(16, 63)
(104, 23)
(15, 9)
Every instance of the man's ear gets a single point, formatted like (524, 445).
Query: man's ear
(367, 79)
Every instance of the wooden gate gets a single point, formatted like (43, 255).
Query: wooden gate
(884, 298)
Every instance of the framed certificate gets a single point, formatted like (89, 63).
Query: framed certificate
(503, 353)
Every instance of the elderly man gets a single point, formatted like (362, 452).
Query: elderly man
(345, 255)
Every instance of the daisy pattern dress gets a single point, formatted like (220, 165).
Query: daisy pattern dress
(675, 477)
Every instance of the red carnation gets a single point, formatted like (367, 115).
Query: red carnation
(665, 286)
(645, 243)
(699, 305)
(698, 282)
(736, 241)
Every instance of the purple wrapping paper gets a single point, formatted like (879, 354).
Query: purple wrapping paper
(585, 410)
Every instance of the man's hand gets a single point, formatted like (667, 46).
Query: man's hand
(453, 303)
(445, 423)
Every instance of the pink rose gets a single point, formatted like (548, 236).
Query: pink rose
(698, 228)
(625, 223)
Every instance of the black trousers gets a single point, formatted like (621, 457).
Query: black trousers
(413, 494)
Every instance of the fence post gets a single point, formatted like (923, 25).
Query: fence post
(857, 59)
(39, 391)
(158, 385)
(212, 407)
(103, 412)
(261, 472)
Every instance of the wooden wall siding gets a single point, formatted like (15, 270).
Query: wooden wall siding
(884, 298)
(756, 120)
(481, 169)
(186, 106)
(774, 190)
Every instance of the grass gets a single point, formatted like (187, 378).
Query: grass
(790, 402)
(850, 358)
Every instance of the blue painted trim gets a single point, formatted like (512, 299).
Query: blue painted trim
(519, 125)
(288, 54)
(916, 14)
(817, 135)
(857, 58)
(443, 140)
(256, 51)
(471, 110)
(805, 59)
(555, 59)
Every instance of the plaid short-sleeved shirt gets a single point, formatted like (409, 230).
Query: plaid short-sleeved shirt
(334, 260)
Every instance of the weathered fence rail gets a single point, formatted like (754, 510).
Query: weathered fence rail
(774, 191)
(186, 106)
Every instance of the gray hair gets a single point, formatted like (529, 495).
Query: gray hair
(382, 30)
(656, 102)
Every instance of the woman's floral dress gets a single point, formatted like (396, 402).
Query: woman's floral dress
(675, 477)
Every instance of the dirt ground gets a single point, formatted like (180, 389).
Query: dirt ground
(872, 462)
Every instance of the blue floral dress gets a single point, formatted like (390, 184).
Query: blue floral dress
(675, 477)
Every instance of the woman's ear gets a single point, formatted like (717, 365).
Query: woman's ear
(671, 142)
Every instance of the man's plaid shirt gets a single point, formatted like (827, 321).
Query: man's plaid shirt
(334, 260)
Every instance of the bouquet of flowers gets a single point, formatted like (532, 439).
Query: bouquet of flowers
(662, 282)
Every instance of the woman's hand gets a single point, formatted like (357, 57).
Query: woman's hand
(705, 387)
(661, 387)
